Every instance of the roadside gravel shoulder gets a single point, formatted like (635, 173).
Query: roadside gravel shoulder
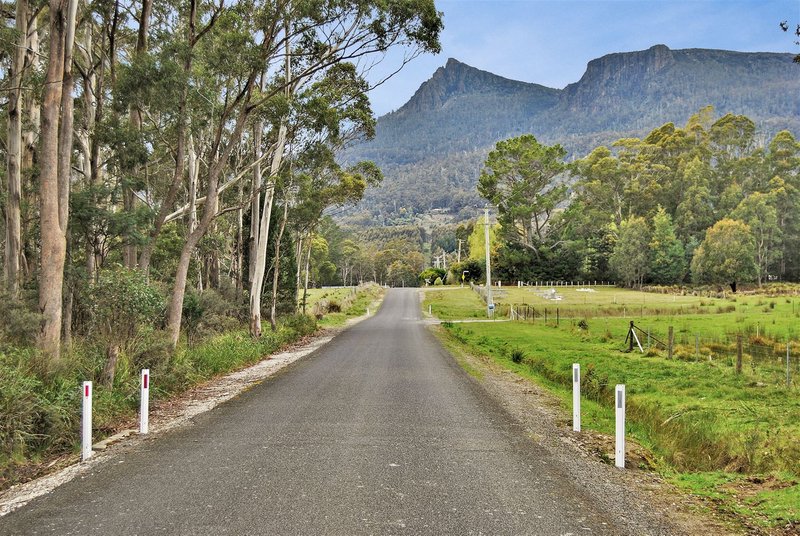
(170, 414)
(640, 499)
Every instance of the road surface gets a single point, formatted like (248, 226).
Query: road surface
(379, 432)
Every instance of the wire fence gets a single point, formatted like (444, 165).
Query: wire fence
(772, 358)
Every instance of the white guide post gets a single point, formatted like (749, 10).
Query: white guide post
(576, 397)
(86, 422)
(619, 454)
(144, 408)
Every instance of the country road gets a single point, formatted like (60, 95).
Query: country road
(379, 432)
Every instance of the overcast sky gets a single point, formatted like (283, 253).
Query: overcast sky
(549, 42)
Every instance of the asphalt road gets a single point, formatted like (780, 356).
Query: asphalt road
(379, 432)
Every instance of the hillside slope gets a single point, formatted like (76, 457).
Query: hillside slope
(432, 148)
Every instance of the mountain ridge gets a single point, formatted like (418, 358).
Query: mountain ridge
(431, 149)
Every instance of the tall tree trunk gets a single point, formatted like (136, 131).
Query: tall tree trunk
(260, 261)
(33, 112)
(85, 141)
(298, 254)
(305, 283)
(255, 202)
(257, 285)
(175, 309)
(135, 114)
(180, 149)
(194, 172)
(276, 272)
(14, 155)
(30, 141)
(55, 171)
(238, 257)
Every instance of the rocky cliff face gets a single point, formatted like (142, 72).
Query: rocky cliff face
(439, 138)
(617, 74)
(456, 79)
(640, 90)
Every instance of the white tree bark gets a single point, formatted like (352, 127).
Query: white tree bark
(257, 285)
(14, 155)
(255, 203)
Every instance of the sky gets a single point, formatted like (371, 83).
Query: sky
(549, 42)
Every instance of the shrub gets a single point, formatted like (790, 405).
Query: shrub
(438, 282)
(19, 322)
(583, 324)
(517, 355)
(119, 303)
(117, 306)
(301, 325)
(191, 316)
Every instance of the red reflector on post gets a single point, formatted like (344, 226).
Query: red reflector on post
(86, 391)
(146, 381)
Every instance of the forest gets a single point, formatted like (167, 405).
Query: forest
(166, 168)
(704, 203)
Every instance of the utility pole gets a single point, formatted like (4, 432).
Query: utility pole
(459, 249)
(489, 302)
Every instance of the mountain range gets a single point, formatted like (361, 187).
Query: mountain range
(431, 149)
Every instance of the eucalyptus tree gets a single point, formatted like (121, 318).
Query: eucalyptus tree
(315, 36)
(631, 257)
(55, 170)
(758, 211)
(13, 245)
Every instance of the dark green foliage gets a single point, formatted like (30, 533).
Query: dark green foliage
(474, 268)
(120, 303)
(192, 314)
(521, 178)
(515, 262)
(19, 321)
(429, 275)
(668, 263)
(517, 355)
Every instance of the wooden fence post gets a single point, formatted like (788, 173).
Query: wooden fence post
(739, 354)
(670, 341)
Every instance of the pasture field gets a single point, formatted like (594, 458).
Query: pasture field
(714, 319)
(334, 305)
(713, 430)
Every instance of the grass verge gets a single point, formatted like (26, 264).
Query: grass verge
(697, 419)
(40, 405)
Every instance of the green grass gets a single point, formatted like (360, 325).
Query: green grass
(454, 303)
(317, 294)
(40, 406)
(354, 302)
(698, 417)
(771, 500)
(712, 319)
